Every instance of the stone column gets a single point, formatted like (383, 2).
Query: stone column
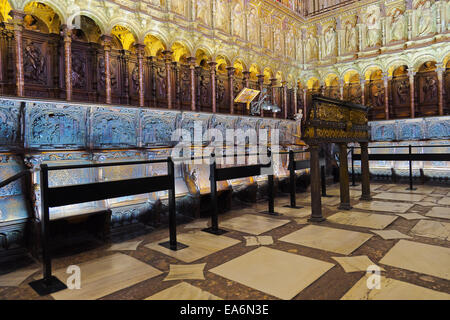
(365, 173)
(67, 35)
(273, 83)
(192, 62)
(231, 71)
(440, 75)
(341, 89)
(363, 91)
(140, 50)
(212, 69)
(17, 20)
(106, 42)
(386, 80)
(168, 62)
(411, 75)
(343, 178)
(316, 198)
(261, 87)
(285, 98)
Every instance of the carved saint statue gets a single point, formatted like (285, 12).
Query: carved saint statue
(377, 95)
(373, 27)
(253, 27)
(311, 47)
(290, 44)
(430, 89)
(34, 63)
(238, 21)
(222, 17)
(398, 25)
(178, 6)
(330, 42)
(403, 91)
(424, 18)
(350, 38)
(203, 11)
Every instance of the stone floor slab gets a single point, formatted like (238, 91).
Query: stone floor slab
(294, 213)
(14, 279)
(439, 212)
(411, 216)
(199, 224)
(419, 189)
(328, 239)
(355, 264)
(391, 234)
(106, 275)
(399, 196)
(200, 244)
(186, 272)
(444, 201)
(258, 241)
(392, 289)
(125, 246)
(362, 219)
(278, 273)
(253, 224)
(383, 206)
(432, 229)
(419, 257)
(183, 291)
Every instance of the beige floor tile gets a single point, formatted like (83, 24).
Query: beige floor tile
(331, 201)
(253, 224)
(355, 264)
(103, 276)
(411, 216)
(391, 234)
(125, 246)
(444, 201)
(278, 273)
(14, 279)
(431, 199)
(200, 224)
(183, 291)
(399, 196)
(294, 213)
(419, 257)
(439, 212)
(432, 229)
(337, 193)
(392, 289)
(328, 239)
(427, 204)
(201, 244)
(419, 189)
(302, 221)
(383, 206)
(186, 272)
(362, 219)
(258, 241)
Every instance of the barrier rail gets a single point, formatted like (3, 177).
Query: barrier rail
(76, 194)
(410, 157)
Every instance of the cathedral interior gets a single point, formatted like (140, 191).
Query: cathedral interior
(354, 108)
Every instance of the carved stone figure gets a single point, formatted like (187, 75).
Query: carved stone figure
(278, 42)
(161, 80)
(311, 47)
(267, 35)
(398, 25)
(34, 63)
(290, 48)
(203, 11)
(135, 79)
(220, 92)
(350, 42)
(222, 17)
(377, 95)
(424, 18)
(177, 6)
(329, 42)
(238, 22)
(253, 33)
(373, 27)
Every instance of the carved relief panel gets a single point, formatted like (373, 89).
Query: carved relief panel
(424, 18)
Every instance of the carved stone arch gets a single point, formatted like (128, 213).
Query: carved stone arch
(93, 15)
(57, 6)
(420, 60)
(134, 30)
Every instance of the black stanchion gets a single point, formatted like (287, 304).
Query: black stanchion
(411, 187)
(214, 229)
(324, 182)
(292, 182)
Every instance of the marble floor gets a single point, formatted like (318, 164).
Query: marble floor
(403, 234)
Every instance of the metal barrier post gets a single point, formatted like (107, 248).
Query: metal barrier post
(49, 284)
(353, 168)
(323, 180)
(411, 187)
(292, 178)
